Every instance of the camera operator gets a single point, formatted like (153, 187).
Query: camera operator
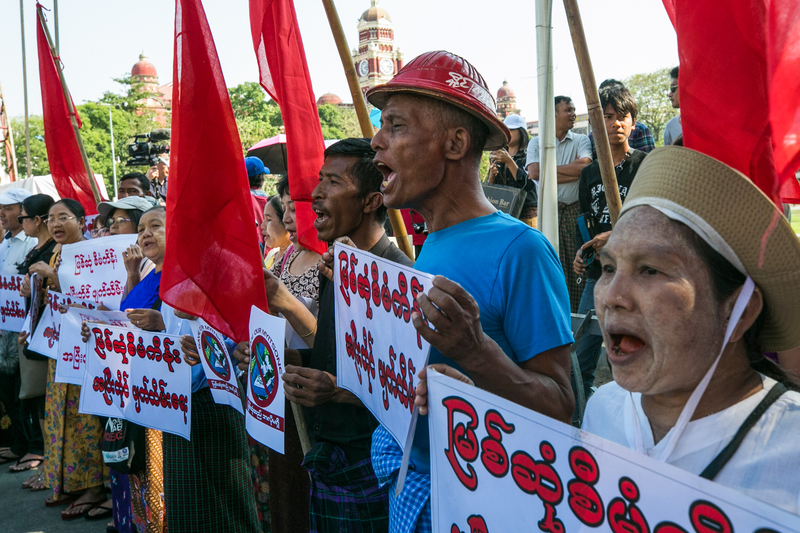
(157, 176)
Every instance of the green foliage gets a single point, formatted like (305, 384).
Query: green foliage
(39, 165)
(650, 91)
(338, 122)
(257, 116)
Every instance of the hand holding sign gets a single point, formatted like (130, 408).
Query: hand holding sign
(456, 317)
(310, 387)
(189, 348)
(421, 394)
(242, 354)
(146, 319)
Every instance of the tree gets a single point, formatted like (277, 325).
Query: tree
(39, 165)
(338, 122)
(655, 109)
(257, 116)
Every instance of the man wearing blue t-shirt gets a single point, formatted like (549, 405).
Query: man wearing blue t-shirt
(499, 304)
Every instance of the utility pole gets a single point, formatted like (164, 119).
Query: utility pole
(25, 93)
(113, 153)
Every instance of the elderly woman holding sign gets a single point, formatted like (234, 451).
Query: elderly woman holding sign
(700, 276)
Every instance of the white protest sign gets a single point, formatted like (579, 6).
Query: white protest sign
(498, 467)
(72, 351)
(142, 375)
(12, 305)
(265, 417)
(375, 335)
(94, 269)
(216, 362)
(47, 334)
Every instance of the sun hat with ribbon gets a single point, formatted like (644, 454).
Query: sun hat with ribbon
(450, 78)
(735, 218)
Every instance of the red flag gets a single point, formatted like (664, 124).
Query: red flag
(63, 154)
(212, 267)
(284, 75)
(740, 86)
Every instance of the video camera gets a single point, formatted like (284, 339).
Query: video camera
(144, 152)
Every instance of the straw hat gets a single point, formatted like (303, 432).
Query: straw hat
(451, 78)
(737, 220)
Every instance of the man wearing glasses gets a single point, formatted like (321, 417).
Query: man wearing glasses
(13, 249)
(673, 129)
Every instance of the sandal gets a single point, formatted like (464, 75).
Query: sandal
(105, 509)
(39, 483)
(74, 506)
(68, 498)
(23, 464)
(28, 482)
(6, 457)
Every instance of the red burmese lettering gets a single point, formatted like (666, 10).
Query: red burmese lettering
(624, 516)
(386, 294)
(461, 440)
(493, 454)
(344, 277)
(584, 500)
(538, 477)
(171, 357)
(364, 291)
(671, 527)
(400, 305)
(376, 287)
(121, 348)
(361, 353)
(397, 385)
(475, 523)
(708, 518)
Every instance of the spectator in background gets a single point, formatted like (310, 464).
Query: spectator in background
(13, 250)
(573, 153)
(275, 235)
(640, 139)
(157, 176)
(508, 166)
(133, 184)
(619, 112)
(256, 172)
(673, 129)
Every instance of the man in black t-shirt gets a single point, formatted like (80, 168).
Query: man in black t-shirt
(619, 112)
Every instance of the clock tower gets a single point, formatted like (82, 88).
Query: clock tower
(377, 59)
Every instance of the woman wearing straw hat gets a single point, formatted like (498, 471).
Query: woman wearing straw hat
(695, 285)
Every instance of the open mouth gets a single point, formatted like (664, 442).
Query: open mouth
(388, 174)
(322, 216)
(624, 345)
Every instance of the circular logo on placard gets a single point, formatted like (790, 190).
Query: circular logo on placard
(215, 356)
(263, 372)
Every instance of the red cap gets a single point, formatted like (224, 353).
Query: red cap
(445, 76)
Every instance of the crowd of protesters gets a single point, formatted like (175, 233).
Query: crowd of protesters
(663, 284)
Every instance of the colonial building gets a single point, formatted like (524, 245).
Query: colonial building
(506, 101)
(144, 78)
(376, 59)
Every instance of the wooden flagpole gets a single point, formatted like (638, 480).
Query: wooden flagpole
(361, 111)
(8, 138)
(70, 108)
(595, 111)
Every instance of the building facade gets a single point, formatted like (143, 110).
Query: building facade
(376, 59)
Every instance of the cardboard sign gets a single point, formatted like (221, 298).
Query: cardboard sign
(47, 334)
(12, 305)
(72, 351)
(497, 467)
(265, 417)
(140, 376)
(94, 269)
(378, 351)
(216, 361)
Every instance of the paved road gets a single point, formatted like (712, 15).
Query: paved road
(23, 511)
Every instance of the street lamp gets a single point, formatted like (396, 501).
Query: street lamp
(113, 154)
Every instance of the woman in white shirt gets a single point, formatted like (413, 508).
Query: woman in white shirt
(700, 276)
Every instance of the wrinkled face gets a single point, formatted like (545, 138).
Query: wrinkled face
(565, 116)
(153, 236)
(410, 152)
(674, 96)
(336, 203)
(64, 226)
(120, 223)
(618, 126)
(8, 217)
(288, 218)
(661, 323)
(272, 229)
(129, 187)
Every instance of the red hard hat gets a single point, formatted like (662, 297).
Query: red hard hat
(445, 76)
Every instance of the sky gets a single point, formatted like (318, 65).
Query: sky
(101, 40)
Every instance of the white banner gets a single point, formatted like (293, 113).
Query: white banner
(46, 337)
(12, 305)
(498, 467)
(265, 416)
(140, 376)
(220, 372)
(33, 310)
(378, 351)
(94, 269)
(72, 351)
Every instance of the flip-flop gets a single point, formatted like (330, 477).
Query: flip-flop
(6, 459)
(104, 513)
(38, 479)
(31, 480)
(66, 515)
(49, 502)
(21, 466)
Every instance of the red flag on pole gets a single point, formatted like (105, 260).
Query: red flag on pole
(284, 75)
(66, 164)
(740, 86)
(212, 267)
